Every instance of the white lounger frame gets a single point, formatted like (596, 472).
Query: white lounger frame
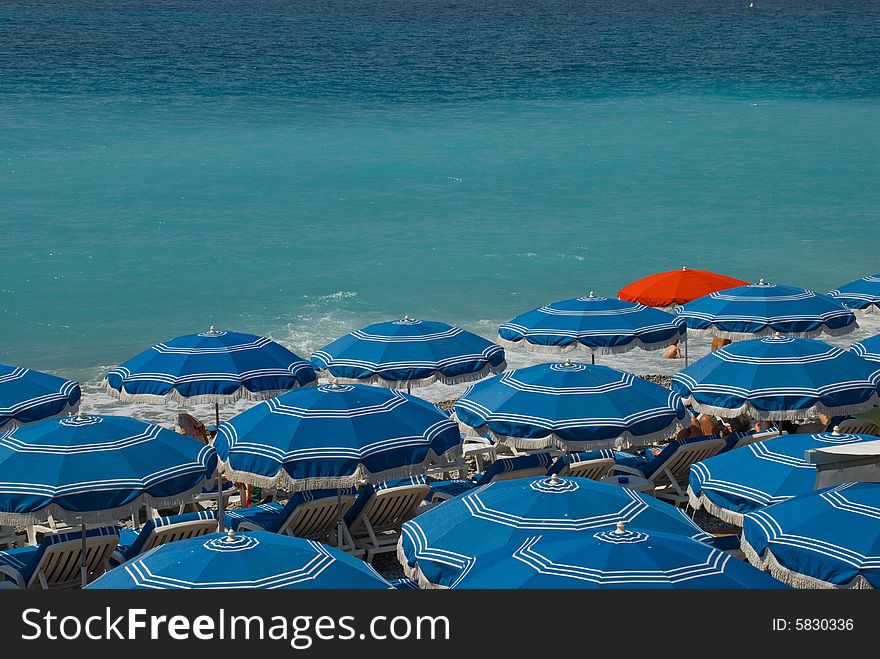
(376, 529)
(61, 564)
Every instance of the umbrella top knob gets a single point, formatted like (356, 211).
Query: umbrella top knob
(761, 282)
(212, 330)
(80, 415)
(568, 361)
(621, 528)
(777, 335)
(335, 383)
(835, 430)
(591, 294)
(554, 480)
(230, 536)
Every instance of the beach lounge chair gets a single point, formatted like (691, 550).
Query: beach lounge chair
(670, 467)
(159, 530)
(523, 466)
(8, 537)
(57, 561)
(312, 514)
(859, 427)
(594, 465)
(373, 522)
(481, 449)
(740, 439)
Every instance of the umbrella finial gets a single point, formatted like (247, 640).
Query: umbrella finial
(335, 383)
(621, 528)
(230, 536)
(568, 361)
(835, 430)
(684, 268)
(554, 480)
(591, 295)
(761, 282)
(212, 330)
(80, 415)
(777, 335)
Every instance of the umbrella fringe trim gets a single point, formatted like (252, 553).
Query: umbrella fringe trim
(869, 310)
(579, 347)
(624, 440)
(423, 382)
(414, 572)
(767, 331)
(782, 415)
(108, 516)
(729, 516)
(283, 481)
(770, 564)
(175, 397)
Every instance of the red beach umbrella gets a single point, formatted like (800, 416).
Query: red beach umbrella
(665, 289)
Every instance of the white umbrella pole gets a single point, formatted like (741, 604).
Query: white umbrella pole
(685, 349)
(220, 526)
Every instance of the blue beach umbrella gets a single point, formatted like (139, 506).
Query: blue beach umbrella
(409, 353)
(573, 406)
(335, 436)
(253, 559)
(445, 543)
(760, 309)
(210, 367)
(95, 469)
(27, 395)
(779, 378)
(620, 558)
(868, 349)
(758, 475)
(599, 325)
(861, 296)
(824, 539)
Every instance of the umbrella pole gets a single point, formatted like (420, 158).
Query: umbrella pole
(593, 358)
(220, 526)
(685, 350)
(84, 570)
(217, 414)
(339, 518)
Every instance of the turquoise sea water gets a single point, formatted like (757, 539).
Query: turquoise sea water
(300, 169)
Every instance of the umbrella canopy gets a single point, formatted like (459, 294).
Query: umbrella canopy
(824, 539)
(445, 543)
(573, 406)
(88, 469)
(27, 396)
(758, 475)
(333, 436)
(868, 349)
(210, 367)
(760, 309)
(861, 295)
(598, 325)
(253, 559)
(666, 289)
(619, 558)
(410, 353)
(779, 378)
